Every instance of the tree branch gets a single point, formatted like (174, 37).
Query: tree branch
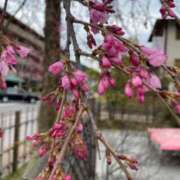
(10, 19)
(66, 142)
(100, 137)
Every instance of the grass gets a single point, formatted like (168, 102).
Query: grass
(17, 175)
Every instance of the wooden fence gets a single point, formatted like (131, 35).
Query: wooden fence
(14, 149)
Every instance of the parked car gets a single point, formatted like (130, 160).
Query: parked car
(18, 94)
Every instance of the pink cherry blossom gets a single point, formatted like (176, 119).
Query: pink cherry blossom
(140, 94)
(85, 87)
(80, 76)
(154, 81)
(66, 83)
(97, 16)
(116, 60)
(8, 55)
(101, 88)
(134, 59)
(116, 30)
(56, 68)
(155, 57)
(128, 90)
(76, 93)
(113, 47)
(4, 68)
(105, 83)
(22, 51)
(58, 130)
(67, 177)
(79, 128)
(177, 108)
(36, 139)
(69, 111)
(3, 84)
(105, 62)
(42, 150)
(136, 81)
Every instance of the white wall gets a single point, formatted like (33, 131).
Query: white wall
(173, 45)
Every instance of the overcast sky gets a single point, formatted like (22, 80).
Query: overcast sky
(138, 16)
(141, 24)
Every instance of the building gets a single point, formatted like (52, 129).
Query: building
(166, 36)
(30, 69)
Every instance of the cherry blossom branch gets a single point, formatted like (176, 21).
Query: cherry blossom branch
(60, 111)
(100, 137)
(157, 92)
(66, 142)
(132, 46)
(166, 7)
(67, 4)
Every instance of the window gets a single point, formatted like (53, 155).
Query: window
(159, 31)
(177, 62)
(178, 32)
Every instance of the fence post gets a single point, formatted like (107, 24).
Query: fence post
(16, 141)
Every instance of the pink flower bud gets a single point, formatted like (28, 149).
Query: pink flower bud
(136, 81)
(105, 63)
(76, 93)
(171, 13)
(67, 177)
(155, 57)
(79, 128)
(42, 150)
(154, 82)
(177, 108)
(56, 68)
(9, 56)
(116, 60)
(4, 69)
(66, 84)
(134, 59)
(80, 76)
(101, 88)
(22, 51)
(128, 90)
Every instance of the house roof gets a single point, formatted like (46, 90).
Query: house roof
(159, 24)
(166, 138)
(14, 20)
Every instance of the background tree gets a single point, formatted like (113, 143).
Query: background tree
(51, 54)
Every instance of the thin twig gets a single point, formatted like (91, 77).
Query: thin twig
(107, 145)
(3, 14)
(16, 12)
(67, 5)
(59, 115)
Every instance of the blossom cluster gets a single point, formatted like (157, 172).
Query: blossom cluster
(167, 8)
(51, 141)
(112, 54)
(8, 60)
(74, 81)
(99, 12)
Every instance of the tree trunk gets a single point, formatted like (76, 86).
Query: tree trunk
(52, 53)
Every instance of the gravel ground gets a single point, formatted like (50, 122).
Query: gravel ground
(153, 164)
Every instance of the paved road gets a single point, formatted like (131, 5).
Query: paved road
(152, 164)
